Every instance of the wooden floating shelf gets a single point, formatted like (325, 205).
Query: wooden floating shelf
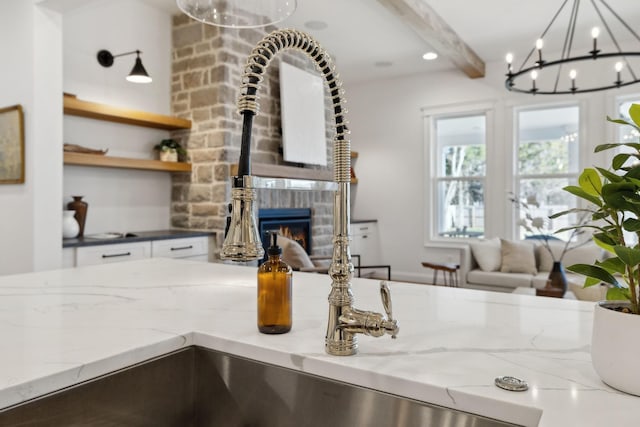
(81, 159)
(92, 110)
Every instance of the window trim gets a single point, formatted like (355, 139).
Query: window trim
(430, 151)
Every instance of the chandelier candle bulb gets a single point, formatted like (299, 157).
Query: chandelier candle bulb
(572, 76)
(595, 32)
(509, 59)
(619, 66)
(539, 45)
(534, 76)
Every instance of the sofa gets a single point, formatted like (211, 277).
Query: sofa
(504, 265)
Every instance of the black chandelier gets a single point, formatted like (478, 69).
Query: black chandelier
(535, 65)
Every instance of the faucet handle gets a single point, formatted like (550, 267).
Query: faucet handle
(390, 324)
(385, 293)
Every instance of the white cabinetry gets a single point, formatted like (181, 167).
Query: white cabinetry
(195, 248)
(366, 243)
(105, 254)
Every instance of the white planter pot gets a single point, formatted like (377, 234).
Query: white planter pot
(169, 155)
(615, 347)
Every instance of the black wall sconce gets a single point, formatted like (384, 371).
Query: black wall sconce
(137, 75)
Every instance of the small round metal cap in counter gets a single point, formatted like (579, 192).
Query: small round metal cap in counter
(512, 383)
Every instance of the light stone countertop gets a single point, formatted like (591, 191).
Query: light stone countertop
(63, 327)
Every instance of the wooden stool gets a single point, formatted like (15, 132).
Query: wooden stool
(448, 270)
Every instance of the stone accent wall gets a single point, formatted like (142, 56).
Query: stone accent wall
(207, 64)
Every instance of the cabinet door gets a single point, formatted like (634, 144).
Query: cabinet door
(119, 252)
(365, 242)
(190, 247)
(68, 257)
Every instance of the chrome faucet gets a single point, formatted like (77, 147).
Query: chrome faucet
(242, 242)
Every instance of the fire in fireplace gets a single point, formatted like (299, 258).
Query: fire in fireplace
(294, 223)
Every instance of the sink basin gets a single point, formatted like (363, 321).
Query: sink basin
(197, 387)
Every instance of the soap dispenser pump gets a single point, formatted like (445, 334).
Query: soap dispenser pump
(274, 292)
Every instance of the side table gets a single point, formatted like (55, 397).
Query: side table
(449, 271)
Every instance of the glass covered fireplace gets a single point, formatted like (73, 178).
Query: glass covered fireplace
(294, 223)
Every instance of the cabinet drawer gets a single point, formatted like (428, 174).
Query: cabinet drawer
(112, 253)
(180, 248)
(363, 228)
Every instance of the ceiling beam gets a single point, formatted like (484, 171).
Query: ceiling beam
(422, 19)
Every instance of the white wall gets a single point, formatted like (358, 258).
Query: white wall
(119, 200)
(387, 131)
(30, 74)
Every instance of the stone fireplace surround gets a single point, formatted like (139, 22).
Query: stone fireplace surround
(207, 64)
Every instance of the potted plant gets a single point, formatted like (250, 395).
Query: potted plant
(614, 197)
(170, 150)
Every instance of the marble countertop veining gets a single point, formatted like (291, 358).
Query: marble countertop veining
(63, 327)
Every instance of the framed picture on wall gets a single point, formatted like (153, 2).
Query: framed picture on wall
(302, 107)
(11, 145)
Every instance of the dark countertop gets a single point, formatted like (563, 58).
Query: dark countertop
(134, 236)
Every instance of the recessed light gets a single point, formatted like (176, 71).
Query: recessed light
(383, 63)
(316, 25)
(429, 56)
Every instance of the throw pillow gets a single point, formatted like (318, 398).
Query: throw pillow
(487, 254)
(517, 257)
(294, 255)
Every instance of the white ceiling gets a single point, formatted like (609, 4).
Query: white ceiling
(363, 32)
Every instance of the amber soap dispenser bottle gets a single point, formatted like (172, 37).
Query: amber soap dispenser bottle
(274, 292)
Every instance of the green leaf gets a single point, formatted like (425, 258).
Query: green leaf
(605, 242)
(589, 181)
(614, 195)
(577, 191)
(603, 147)
(590, 281)
(599, 215)
(612, 177)
(595, 272)
(619, 160)
(618, 121)
(618, 294)
(634, 113)
(633, 172)
(612, 265)
(570, 211)
(631, 224)
(629, 256)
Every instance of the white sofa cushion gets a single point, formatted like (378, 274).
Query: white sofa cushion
(499, 280)
(487, 254)
(518, 257)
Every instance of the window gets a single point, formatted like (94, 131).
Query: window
(547, 159)
(460, 143)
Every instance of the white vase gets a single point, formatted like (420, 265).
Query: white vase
(615, 347)
(70, 227)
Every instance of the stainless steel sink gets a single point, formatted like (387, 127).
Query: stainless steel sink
(202, 388)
